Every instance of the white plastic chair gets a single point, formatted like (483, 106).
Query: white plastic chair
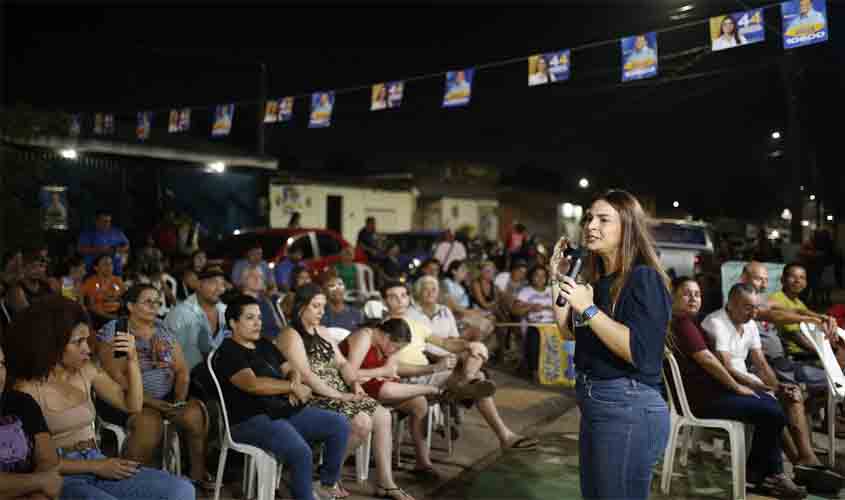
(337, 334)
(681, 415)
(366, 288)
(835, 380)
(399, 425)
(171, 449)
(262, 462)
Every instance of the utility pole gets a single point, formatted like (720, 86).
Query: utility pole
(791, 76)
(262, 101)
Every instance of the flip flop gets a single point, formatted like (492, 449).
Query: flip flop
(523, 443)
(429, 473)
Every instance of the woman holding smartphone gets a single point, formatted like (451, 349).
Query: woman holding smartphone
(57, 372)
(620, 317)
(165, 379)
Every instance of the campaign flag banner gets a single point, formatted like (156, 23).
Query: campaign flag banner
(547, 68)
(278, 110)
(142, 129)
(387, 95)
(639, 56)
(173, 122)
(458, 87)
(184, 119)
(223, 116)
(804, 23)
(54, 207)
(99, 119)
(108, 124)
(322, 104)
(734, 30)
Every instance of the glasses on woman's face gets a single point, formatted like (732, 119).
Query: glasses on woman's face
(152, 303)
(337, 285)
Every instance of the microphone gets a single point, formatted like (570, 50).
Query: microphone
(576, 257)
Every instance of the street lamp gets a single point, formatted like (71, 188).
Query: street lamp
(830, 218)
(776, 135)
(584, 183)
(69, 154)
(812, 197)
(217, 167)
(676, 204)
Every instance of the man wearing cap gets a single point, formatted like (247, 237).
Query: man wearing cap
(415, 367)
(198, 323)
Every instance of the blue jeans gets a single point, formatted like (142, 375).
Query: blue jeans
(146, 484)
(767, 417)
(287, 439)
(624, 429)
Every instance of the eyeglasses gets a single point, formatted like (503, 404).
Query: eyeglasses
(335, 286)
(152, 303)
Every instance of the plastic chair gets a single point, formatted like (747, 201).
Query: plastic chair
(835, 380)
(256, 459)
(681, 415)
(337, 334)
(171, 448)
(399, 430)
(366, 288)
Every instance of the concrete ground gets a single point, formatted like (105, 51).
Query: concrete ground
(524, 407)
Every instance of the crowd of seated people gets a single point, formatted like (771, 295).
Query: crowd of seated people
(288, 380)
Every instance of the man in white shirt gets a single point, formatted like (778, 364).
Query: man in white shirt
(733, 333)
(449, 250)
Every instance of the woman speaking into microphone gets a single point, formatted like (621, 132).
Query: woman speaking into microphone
(619, 318)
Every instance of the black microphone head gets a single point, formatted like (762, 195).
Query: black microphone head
(575, 253)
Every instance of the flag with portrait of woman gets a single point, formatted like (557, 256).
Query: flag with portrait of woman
(548, 68)
(739, 28)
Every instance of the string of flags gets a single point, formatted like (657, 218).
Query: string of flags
(804, 22)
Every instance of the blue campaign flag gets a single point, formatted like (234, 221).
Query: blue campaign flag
(458, 87)
(223, 116)
(547, 68)
(142, 129)
(804, 23)
(322, 104)
(639, 56)
(736, 29)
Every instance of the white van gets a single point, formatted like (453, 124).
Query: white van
(683, 246)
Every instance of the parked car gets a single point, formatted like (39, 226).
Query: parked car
(685, 248)
(415, 247)
(320, 248)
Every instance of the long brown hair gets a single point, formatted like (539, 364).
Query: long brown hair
(637, 243)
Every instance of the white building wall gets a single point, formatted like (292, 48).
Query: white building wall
(393, 210)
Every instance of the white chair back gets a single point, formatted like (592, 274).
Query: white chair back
(223, 411)
(677, 394)
(337, 334)
(816, 337)
(366, 281)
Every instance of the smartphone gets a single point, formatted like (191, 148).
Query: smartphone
(121, 328)
(180, 404)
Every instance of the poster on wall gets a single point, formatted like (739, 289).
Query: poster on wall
(53, 203)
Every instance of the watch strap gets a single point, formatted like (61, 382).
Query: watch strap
(589, 313)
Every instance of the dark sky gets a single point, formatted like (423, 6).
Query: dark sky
(699, 132)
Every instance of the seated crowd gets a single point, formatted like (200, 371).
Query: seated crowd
(300, 364)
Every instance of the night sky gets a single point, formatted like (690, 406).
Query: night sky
(699, 133)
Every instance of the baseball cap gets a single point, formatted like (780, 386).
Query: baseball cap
(374, 313)
(211, 271)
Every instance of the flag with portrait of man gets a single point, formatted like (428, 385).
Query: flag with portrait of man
(322, 104)
(458, 87)
(223, 116)
(804, 23)
(278, 110)
(639, 56)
